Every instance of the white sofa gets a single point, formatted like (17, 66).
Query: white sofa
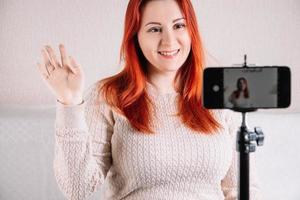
(27, 147)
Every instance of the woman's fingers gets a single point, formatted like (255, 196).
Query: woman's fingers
(43, 71)
(52, 56)
(47, 62)
(75, 67)
(50, 62)
(64, 56)
(67, 61)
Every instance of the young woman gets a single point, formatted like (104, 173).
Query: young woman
(143, 133)
(240, 97)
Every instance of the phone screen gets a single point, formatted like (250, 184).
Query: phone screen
(250, 87)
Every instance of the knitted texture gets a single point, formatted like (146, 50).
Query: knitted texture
(97, 147)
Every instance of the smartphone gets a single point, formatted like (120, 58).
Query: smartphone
(247, 87)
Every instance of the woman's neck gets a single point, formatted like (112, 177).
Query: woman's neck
(163, 83)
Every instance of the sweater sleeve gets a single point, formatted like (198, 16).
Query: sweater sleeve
(230, 182)
(82, 146)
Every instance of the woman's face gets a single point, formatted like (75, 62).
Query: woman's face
(163, 36)
(242, 84)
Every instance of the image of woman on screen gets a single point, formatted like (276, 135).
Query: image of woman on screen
(240, 97)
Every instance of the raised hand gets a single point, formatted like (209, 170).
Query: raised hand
(65, 79)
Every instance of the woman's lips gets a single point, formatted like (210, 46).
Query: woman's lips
(168, 54)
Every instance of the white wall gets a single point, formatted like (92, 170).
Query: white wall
(267, 30)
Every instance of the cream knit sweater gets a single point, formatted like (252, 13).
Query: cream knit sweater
(96, 147)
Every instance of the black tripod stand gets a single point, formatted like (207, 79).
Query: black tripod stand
(246, 143)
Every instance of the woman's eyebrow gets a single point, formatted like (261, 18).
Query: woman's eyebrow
(157, 23)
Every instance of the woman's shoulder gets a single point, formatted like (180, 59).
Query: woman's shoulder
(96, 105)
(92, 93)
(95, 95)
(227, 118)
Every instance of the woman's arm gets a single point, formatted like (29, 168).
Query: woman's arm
(82, 146)
(232, 99)
(230, 182)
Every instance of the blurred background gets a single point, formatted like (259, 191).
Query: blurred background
(266, 30)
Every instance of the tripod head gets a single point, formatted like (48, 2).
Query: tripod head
(247, 140)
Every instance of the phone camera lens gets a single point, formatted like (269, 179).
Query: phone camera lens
(216, 88)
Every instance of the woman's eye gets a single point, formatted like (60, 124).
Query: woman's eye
(157, 29)
(179, 26)
(154, 30)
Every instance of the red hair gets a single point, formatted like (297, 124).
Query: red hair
(126, 90)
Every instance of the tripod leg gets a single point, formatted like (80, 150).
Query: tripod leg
(244, 176)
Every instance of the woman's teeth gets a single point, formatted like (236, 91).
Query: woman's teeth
(169, 53)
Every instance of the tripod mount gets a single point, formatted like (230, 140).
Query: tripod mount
(246, 143)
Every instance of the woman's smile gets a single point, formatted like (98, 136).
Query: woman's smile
(169, 54)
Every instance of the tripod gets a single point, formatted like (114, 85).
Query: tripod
(246, 143)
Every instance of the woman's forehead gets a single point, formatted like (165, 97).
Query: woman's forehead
(162, 11)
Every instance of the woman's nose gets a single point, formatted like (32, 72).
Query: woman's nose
(168, 38)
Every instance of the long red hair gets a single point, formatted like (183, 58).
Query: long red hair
(126, 92)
